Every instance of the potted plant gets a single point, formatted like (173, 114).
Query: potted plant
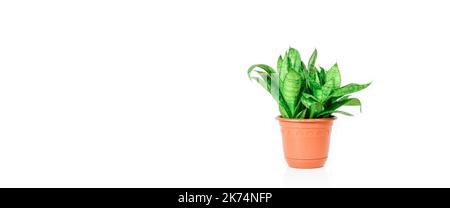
(308, 97)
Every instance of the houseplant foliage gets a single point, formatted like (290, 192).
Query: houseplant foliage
(307, 96)
(305, 91)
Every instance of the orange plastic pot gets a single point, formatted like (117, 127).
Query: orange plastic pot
(306, 141)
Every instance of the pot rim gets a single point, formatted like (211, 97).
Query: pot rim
(305, 120)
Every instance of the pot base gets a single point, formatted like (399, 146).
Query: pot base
(307, 163)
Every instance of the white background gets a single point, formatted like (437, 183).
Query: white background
(155, 93)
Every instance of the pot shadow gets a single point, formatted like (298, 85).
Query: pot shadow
(306, 178)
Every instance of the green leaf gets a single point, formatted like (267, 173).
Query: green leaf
(320, 94)
(311, 103)
(279, 64)
(270, 84)
(309, 96)
(325, 113)
(333, 81)
(272, 81)
(291, 89)
(313, 85)
(316, 75)
(341, 102)
(338, 99)
(264, 67)
(350, 88)
(304, 68)
(264, 80)
(333, 77)
(308, 102)
(284, 109)
(285, 65)
(334, 106)
(283, 112)
(315, 109)
(301, 114)
(354, 102)
(312, 59)
(313, 73)
(312, 113)
(322, 76)
(299, 106)
(294, 58)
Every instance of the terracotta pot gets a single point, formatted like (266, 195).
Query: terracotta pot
(306, 141)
